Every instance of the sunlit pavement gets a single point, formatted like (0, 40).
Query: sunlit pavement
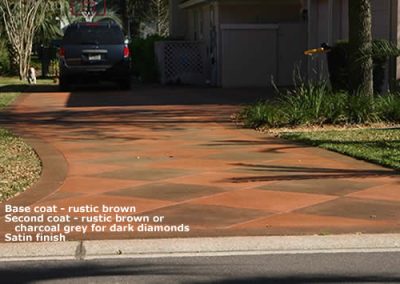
(176, 152)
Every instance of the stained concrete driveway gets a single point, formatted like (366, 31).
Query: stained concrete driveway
(176, 152)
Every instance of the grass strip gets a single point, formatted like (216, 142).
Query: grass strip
(379, 146)
(20, 166)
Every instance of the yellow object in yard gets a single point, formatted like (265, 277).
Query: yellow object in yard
(316, 51)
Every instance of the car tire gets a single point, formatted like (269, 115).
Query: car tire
(64, 84)
(125, 84)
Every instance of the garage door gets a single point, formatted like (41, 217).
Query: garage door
(249, 55)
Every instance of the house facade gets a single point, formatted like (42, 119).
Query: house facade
(328, 22)
(261, 42)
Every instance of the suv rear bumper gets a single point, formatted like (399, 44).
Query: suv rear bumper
(106, 72)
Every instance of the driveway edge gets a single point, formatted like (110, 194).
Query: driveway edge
(221, 246)
(54, 165)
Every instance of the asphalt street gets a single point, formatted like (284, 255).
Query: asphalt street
(295, 268)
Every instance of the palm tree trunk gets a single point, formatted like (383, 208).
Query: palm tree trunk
(360, 39)
(124, 15)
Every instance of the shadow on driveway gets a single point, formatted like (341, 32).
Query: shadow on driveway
(148, 95)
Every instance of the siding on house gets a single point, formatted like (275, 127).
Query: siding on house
(260, 54)
(381, 19)
(327, 23)
(261, 12)
(177, 19)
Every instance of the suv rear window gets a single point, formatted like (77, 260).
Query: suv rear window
(93, 35)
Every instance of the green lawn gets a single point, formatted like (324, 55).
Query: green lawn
(10, 81)
(380, 146)
(7, 98)
(20, 167)
(14, 81)
(10, 88)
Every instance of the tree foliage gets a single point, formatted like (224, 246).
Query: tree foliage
(159, 15)
(50, 27)
(154, 14)
(21, 19)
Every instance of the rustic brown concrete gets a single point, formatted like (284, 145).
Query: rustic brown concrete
(175, 152)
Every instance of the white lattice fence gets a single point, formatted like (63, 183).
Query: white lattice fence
(181, 62)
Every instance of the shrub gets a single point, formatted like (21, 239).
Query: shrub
(144, 59)
(306, 104)
(5, 64)
(389, 107)
(339, 69)
(336, 104)
(317, 104)
(338, 66)
(262, 114)
(361, 109)
(54, 68)
(314, 104)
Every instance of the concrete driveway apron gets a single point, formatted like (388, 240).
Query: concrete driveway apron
(175, 152)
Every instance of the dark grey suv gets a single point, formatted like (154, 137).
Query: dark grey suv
(94, 51)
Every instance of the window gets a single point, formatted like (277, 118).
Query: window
(93, 35)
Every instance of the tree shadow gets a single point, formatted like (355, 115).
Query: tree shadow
(387, 150)
(25, 88)
(96, 124)
(127, 271)
(156, 109)
(73, 270)
(305, 279)
(292, 173)
(158, 95)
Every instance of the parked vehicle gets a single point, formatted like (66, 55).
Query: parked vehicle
(94, 51)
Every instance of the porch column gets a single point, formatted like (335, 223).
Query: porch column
(395, 38)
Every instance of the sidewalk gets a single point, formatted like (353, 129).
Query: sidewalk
(176, 153)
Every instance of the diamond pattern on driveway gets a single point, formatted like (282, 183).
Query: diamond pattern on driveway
(176, 152)
(168, 191)
(207, 216)
(357, 208)
(329, 186)
(308, 224)
(388, 192)
(244, 156)
(92, 185)
(265, 200)
(142, 205)
(143, 174)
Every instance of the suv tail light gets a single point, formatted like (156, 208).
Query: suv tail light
(126, 52)
(61, 52)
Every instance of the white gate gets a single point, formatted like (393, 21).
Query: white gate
(181, 61)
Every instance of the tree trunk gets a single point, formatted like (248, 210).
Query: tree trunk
(124, 15)
(360, 40)
(20, 21)
(14, 59)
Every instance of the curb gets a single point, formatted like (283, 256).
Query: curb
(197, 247)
